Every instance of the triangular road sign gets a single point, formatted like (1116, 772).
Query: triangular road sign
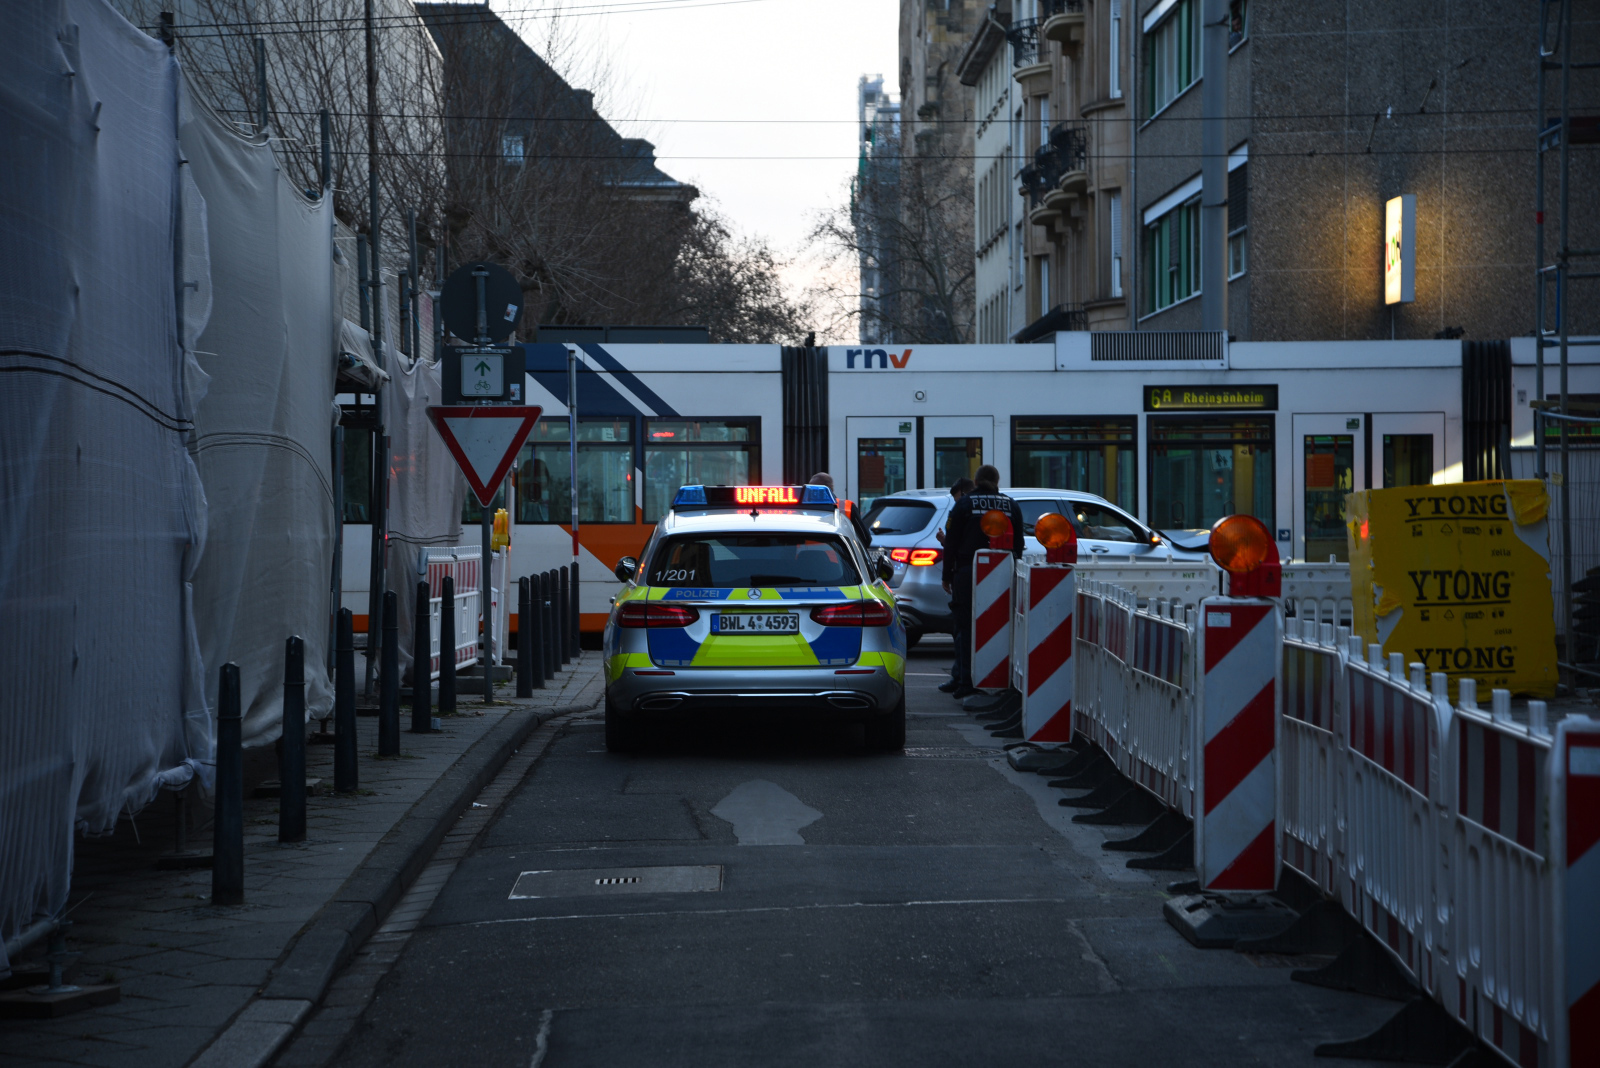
(485, 439)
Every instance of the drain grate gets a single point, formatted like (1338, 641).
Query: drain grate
(674, 879)
(949, 752)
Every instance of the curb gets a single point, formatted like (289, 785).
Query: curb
(328, 942)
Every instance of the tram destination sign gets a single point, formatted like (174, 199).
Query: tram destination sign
(1211, 398)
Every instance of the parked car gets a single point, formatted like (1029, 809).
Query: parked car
(905, 528)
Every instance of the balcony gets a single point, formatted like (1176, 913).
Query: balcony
(1062, 21)
(1062, 318)
(1029, 55)
(1069, 148)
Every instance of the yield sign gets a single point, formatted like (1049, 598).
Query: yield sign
(484, 440)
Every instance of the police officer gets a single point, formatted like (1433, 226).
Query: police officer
(959, 489)
(965, 538)
(822, 478)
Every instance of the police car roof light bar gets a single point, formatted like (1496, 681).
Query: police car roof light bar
(809, 497)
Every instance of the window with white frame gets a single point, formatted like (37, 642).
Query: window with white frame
(1172, 256)
(1172, 56)
(1238, 220)
(1114, 52)
(1115, 213)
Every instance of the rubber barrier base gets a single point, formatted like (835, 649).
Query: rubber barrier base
(1107, 793)
(1158, 837)
(1324, 929)
(1050, 761)
(1364, 967)
(1421, 1033)
(1210, 921)
(1085, 759)
(1098, 771)
(1178, 857)
(1135, 808)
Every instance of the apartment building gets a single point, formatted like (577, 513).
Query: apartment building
(874, 202)
(1326, 116)
(998, 207)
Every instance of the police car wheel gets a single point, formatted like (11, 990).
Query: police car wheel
(622, 733)
(887, 733)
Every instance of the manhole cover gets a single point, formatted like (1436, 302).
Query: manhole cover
(677, 879)
(949, 752)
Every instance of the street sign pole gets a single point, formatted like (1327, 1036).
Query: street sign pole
(572, 439)
(480, 276)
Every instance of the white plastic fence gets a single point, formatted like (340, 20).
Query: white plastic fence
(1465, 841)
(461, 564)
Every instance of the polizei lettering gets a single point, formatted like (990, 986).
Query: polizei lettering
(1458, 586)
(1467, 659)
(1461, 504)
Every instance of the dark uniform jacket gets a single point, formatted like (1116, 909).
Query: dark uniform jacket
(963, 536)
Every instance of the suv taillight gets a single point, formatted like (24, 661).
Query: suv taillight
(900, 556)
(924, 557)
(867, 613)
(655, 614)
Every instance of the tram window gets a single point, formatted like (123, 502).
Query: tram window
(1330, 474)
(1092, 455)
(357, 476)
(1408, 460)
(880, 468)
(707, 452)
(956, 458)
(1205, 468)
(605, 473)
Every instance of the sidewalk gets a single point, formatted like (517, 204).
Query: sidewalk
(188, 969)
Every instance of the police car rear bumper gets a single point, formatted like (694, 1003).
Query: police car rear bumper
(850, 691)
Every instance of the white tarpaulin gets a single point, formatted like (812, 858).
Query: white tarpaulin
(426, 488)
(263, 434)
(100, 510)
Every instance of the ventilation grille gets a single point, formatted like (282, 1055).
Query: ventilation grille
(1147, 345)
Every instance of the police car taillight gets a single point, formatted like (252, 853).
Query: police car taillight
(655, 614)
(855, 614)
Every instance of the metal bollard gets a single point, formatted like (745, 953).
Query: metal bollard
(447, 647)
(577, 613)
(346, 772)
(292, 751)
(565, 596)
(421, 665)
(389, 679)
(552, 651)
(524, 640)
(227, 845)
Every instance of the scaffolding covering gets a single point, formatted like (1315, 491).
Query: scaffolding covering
(264, 432)
(101, 513)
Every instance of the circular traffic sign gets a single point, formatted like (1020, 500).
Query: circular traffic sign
(502, 301)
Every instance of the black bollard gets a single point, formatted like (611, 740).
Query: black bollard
(535, 635)
(389, 679)
(227, 844)
(422, 665)
(346, 772)
(447, 647)
(552, 651)
(564, 597)
(292, 753)
(577, 614)
(524, 640)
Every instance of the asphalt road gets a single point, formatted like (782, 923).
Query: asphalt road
(824, 906)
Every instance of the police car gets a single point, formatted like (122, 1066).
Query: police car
(755, 599)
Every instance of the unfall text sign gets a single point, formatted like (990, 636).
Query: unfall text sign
(1457, 577)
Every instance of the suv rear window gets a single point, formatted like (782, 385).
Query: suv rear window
(753, 560)
(890, 516)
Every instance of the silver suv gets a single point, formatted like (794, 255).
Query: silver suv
(905, 528)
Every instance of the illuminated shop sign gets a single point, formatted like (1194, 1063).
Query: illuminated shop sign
(1399, 250)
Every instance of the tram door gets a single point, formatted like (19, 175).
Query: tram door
(954, 447)
(1329, 462)
(1407, 448)
(881, 458)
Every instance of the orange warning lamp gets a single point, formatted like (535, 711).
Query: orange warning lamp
(1060, 540)
(500, 537)
(995, 523)
(1244, 548)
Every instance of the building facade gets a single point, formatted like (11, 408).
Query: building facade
(874, 203)
(1326, 116)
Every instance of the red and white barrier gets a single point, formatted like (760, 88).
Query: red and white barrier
(1575, 847)
(1310, 733)
(992, 575)
(1044, 664)
(461, 564)
(1235, 824)
(1159, 724)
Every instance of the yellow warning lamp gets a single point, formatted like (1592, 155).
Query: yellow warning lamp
(1244, 548)
(1059, 538)
(501, 537)
(995, 523)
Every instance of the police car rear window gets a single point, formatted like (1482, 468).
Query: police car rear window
(752, 560)
(889, 516)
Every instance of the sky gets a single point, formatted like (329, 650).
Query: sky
(787, 69)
